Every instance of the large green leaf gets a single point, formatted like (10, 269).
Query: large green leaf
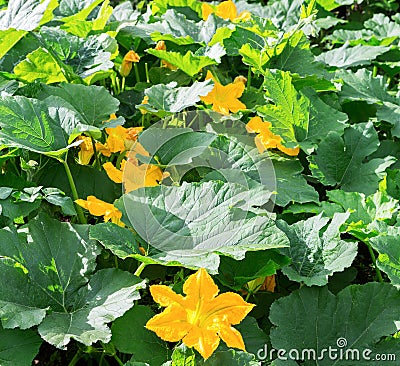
(172, 99)
(84, 56)
(52, 264)
(389, 256)
(40, 65)
(129, 335)
(254, 57)
(18, 347)
(195, 219)
(346, 56)
(316, 249)
(361, 85)
(298, 117)
(77, 9)
(175, 146)
(124, 244)
(8, 38)
(289, 113)
(355, 319)
(294, 55)
(377, 31)
(238, 157)
(230, 357)
(340, 161)
(188, 63)
(27, 124)
(390, 112)
(25, 15)
(81, 108)
(180, 30)
(290, 183)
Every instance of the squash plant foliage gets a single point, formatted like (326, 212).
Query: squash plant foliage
(189, 183)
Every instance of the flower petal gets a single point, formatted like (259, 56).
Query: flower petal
(171, 325)
(200, 287)
(113, 173)
(231, 337)
(203, 340)
(165, 296)
(227, 10)
(229, 307)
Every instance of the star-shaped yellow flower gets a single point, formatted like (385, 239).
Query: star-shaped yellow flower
(100, 208)
(119, 139)
(224, 99)
(201, 318)
(225, 10)
(138, 176)
(132, 174)
(266, 139)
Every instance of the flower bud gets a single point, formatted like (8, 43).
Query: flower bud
(126, 65)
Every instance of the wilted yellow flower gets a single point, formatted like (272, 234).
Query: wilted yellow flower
(225, 10)
(100, 208)
(240, 79)
(201, 318)
(126, 65)
(86, 150)
(225, 98)
(266, 139)
(160, 46)
(267, 283)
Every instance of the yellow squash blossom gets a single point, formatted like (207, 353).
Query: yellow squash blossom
(225, 10)
(133, 175)
(114, 173)
(100, 208)
(86, 150)
(126, 65)
(201, 318)
(266, 139)
(224, 99)
(138, 176)
(119, 139)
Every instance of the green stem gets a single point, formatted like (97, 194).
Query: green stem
(140, 269)
(248, 79)
(146, 69)
(114, 84)
(96, 156)
(118, 360)
(116, 261)
(79, 211)
(135, 66)
(119, 160)
(118, 85)
(377, 271)
(76, 358)
(123, 84)
(375, 71)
